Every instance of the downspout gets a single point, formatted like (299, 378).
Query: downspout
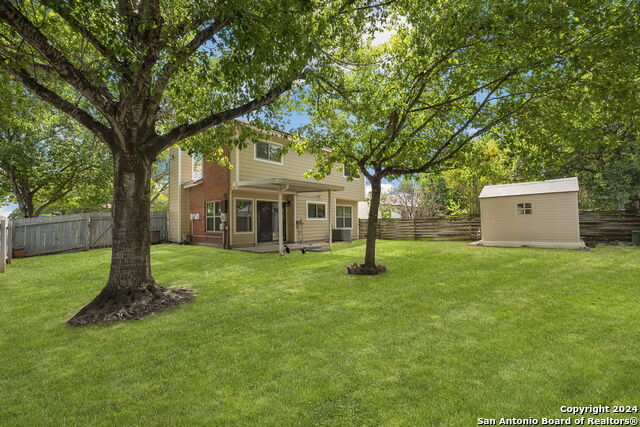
(179, 155)
(329, 217)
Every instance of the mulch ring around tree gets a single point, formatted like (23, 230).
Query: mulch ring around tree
(360, 269)
(165, 300)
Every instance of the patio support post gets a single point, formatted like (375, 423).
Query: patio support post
(280, 224)
(329, 217)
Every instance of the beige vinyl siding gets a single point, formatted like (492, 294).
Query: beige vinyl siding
(293, 167)
(554, 218)
(313, 230)
(178, 196)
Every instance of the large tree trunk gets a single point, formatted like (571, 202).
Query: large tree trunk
(372, 224)
(25, 204)
(130, 292)
(21, 192)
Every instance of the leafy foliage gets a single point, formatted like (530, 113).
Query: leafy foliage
(178, 68)
(47, 162)
(453, 72)
(145, 75)
(482, 163)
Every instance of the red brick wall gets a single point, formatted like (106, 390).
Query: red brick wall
(214, 186)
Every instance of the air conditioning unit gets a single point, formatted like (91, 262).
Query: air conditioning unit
(340, 235)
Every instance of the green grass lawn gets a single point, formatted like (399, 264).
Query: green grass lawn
(449, 334)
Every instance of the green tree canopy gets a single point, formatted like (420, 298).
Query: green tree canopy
(47, 162)
(146, 74)
(452, 72)
(481, 163)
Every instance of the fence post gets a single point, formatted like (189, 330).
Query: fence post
(9, 245)
(415, 232)
(87, 237)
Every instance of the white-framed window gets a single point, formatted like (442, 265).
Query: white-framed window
(344, 216)
(524, 209)
(316, 210)
(348, 171)
(213, 216)
(268, 152)
(244, 215)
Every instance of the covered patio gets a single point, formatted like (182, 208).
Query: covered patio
(281, 187)
(271, 248)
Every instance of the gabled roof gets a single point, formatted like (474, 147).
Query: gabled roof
(192, 183)
(563, 185)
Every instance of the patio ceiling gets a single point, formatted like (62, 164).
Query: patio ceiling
(291, 185)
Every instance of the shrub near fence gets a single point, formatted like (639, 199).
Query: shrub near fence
(48, 235)
(602, 227)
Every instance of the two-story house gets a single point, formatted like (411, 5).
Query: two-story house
(263, 198)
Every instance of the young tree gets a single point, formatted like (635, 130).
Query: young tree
(414, 199)
(452, 72)
(143, 75)
(482, 163)
(46, 160)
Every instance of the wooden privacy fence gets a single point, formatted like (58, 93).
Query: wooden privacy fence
(458, 227)
(608, 226)
(49, 235)
(594, 226)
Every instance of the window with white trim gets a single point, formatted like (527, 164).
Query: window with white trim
(344, 216)
(244, 215)
(525, 209)
(348, 171)
(268, 151)
(316, 210)
(213, 216)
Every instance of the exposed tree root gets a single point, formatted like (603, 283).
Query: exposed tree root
(360, 269)
(110, 306)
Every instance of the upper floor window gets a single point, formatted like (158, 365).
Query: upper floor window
(268, 151)
(213, 216)
(524, 209)
(348, 171)
(316, 210)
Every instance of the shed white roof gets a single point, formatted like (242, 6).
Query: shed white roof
(563, 185)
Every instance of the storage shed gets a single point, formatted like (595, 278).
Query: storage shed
(541, 214)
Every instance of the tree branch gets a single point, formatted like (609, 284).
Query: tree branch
(159, 192)
(47, 95)
(57, 196)
(190, 129)
(411, 135)
(119, 66)
(131, 19)
(99, 96)
(434, 160)
(343, 8)
(201, 38)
